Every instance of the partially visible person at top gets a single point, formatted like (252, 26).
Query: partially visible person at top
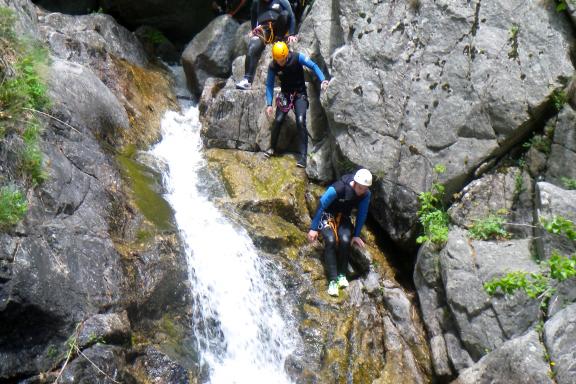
(333, 220)
(271, 20)
(289, 67)
(238, 9)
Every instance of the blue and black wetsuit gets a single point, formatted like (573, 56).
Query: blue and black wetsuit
(279, 13)
(292, 90)
(337, 204)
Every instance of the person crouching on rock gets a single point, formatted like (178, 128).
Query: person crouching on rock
(332, 219)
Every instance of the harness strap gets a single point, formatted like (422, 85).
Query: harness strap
(264, 32)
(333, 223)
(282, 103)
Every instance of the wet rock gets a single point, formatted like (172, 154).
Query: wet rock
(157, 45)
(109, 360)
(110, 328)
(159, 368)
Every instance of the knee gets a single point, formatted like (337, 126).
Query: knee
(253, 45)
(345, 239)
(301, 121)
(329, 242)
(279, 119)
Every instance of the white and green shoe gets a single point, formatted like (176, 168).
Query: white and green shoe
(342, 282)
(333, 288)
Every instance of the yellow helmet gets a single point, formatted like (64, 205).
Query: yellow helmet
(279, 50)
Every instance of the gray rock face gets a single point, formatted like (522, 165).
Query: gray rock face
(506, 194)
(560, 338)
(563, 149)
(87, 39)
(104, 328)
(86, 103)
(210, 53)
(64, 264)
(25, 13)
(554, 201)
(455, 306)
(419, 83)
(517, 361)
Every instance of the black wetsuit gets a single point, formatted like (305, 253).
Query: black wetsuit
(279, 12)
(292, 91)
(338, 201)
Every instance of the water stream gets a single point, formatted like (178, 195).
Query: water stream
(243, 334)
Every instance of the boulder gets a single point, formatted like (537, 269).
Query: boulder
(25, 17)
(521, 360)
(563, 150)
(79, 7)
(553, 201)
(559, 338)
(210, 53)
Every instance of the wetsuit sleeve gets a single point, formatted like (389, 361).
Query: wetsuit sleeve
(305, 60)
(327, 198)
(362, 213)
(254, 14)
(292, 21)
(270, 86)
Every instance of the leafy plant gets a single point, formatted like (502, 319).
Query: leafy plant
(540, 285)
(431, 214)
(155, 36)
(559, 98)
(491, 227)
(13, 206)
(539, 142)
(559, 225)
(569, 183)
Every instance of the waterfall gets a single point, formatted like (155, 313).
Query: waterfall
(243, 333)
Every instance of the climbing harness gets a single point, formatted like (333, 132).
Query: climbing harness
(265, 32)
(328, 220)
(285, 101)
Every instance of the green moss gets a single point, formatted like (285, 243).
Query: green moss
(150, 203)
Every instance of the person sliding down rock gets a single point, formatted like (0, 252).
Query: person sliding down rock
(332, 219)
(270, 19)
(289, 67)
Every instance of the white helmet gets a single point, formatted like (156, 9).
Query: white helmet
(363, 177)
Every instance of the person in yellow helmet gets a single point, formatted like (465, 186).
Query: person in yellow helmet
(271, 20)
(289, 67)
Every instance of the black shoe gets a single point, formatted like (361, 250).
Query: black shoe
(301, 163)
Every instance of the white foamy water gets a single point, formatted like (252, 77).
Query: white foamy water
(243, 335)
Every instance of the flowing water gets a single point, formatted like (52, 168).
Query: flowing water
(243, 334)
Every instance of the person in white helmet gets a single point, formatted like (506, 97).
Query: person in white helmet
(332, 219)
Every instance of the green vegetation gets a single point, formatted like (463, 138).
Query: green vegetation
(569, 183)
(491, 227)
(155, 36)
(559, 98)
(432, 214)
(513, 39)
(13, 206)
(540, 285)
(540, 142)
(559, 225)
(22, 92)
